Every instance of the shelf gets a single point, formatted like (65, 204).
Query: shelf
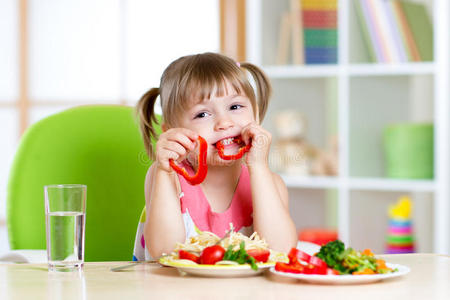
(311, 71)
(355, 100)
(301, 71)
(419, 68)
(373, 184)
(315, 182)
(384, 184)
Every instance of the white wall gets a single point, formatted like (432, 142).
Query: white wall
(93, 51)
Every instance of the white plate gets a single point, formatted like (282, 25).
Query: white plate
(215, 270)
(346, 279)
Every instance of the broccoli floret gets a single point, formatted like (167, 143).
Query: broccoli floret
(332, 253)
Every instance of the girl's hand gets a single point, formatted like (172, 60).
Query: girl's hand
(174, 144)
(260, 139)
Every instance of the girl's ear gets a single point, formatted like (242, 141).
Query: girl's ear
(164, 127)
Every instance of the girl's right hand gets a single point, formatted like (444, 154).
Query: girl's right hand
(174, 144)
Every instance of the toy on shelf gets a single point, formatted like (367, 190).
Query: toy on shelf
(400, 238)
(291, 153)
(325, 162)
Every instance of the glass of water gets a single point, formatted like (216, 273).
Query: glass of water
(65, 211)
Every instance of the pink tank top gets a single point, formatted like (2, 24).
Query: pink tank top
(194, 203)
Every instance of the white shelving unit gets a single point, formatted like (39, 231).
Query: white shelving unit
(366, 97)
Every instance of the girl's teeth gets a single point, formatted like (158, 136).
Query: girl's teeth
(227, 141)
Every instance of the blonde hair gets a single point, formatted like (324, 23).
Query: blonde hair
(192, 79)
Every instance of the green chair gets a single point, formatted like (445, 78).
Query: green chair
(99, 146)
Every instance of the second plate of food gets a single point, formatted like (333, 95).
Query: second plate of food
(346, 279)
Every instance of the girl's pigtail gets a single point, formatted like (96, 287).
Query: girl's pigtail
(147, 118)
(263, 87)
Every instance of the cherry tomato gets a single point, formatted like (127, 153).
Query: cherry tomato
(211, 255)
(259, 255)
(188, 255)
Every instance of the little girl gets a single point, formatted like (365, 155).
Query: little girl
(209, 96)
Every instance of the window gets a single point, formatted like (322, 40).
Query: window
(90, 51)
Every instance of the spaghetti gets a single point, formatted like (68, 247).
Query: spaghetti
(196, 244)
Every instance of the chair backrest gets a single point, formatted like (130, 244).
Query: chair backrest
(99, 146)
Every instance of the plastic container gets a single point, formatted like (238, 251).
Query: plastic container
(409, 151)
(319, 236)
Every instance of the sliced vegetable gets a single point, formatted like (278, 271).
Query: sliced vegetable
(366, 271)
(317, 262)
(296, 255)
(289, 268)
(212, 254)
(182, 254)
(202, 169)
(306, 263)
(382, 268)
(244, 148)
(381, 264)
(311, 269)
(260, 255)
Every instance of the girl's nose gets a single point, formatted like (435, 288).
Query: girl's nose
(223, 123)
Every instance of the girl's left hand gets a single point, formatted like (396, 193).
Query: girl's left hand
(260, 139)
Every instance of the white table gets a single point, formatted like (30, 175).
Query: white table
(429, 279)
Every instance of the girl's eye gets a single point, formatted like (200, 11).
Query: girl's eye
(235, 106)
(200, 115)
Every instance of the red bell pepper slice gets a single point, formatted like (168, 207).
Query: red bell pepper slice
(314, 270)
(284, 267)
(303, 263)
(182, 254)
(310, 264)
(202, 166)
(296, 256)
(238, 155)
(318, 270)
(317, 262)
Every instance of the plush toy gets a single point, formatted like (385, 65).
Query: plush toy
(291, 154)
(325, 162)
